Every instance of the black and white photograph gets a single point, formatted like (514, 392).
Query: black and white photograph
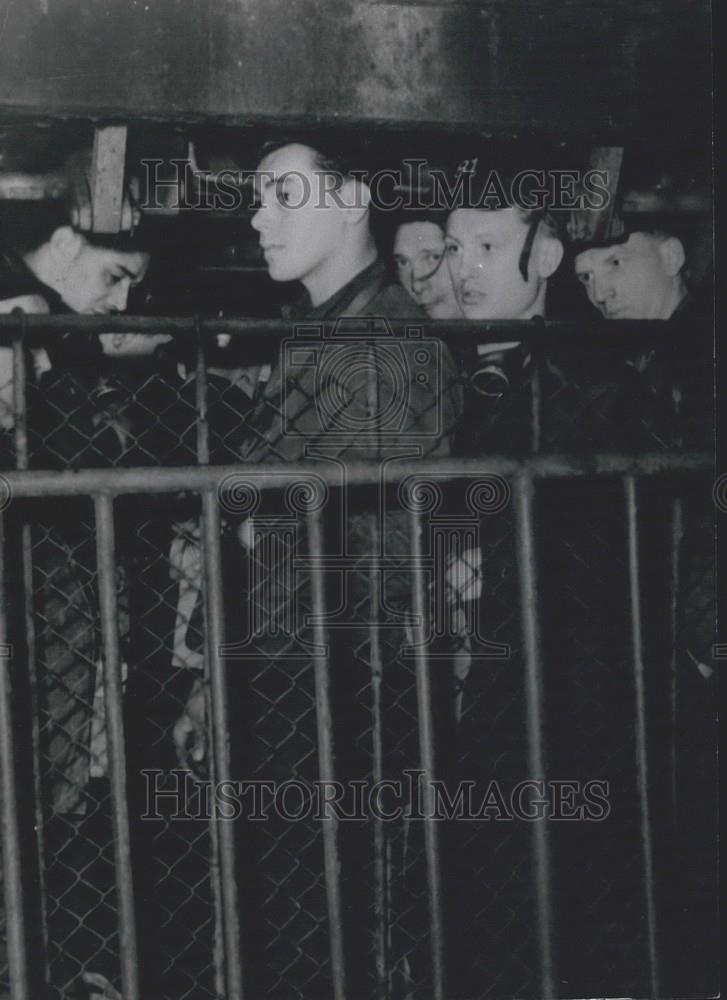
(361, 500)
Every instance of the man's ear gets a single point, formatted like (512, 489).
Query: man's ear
(672, 255)
(65, 245)
(548, 255)
(355, 197)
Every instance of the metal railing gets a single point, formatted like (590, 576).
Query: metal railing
(212, 485)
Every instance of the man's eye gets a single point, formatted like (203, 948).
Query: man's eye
(400, 261)
(451, 249)
(615, 262)
(584, 277)
(432, 257)
(283, 192)
(487, 247)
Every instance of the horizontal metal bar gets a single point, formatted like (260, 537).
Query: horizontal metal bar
(40, 483)
(618, 334)
(601, 128)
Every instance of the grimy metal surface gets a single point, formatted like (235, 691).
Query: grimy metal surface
(514, 67)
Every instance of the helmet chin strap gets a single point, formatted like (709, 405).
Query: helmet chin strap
(524, 262)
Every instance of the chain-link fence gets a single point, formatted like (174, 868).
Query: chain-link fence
(251, 616)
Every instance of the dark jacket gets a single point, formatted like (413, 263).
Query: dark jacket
(311, 401)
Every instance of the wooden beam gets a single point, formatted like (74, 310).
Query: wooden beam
(107, 179)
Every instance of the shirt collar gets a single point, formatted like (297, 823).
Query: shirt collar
(337, 304)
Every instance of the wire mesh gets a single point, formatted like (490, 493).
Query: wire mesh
(145, 415)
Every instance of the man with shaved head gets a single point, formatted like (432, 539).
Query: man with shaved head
(640, 275)
(636, 278)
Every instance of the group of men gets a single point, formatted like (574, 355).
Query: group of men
(472, 262)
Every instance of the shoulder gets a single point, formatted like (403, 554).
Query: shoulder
(31, 303)
(393, 302)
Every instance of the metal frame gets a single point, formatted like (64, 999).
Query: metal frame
(103, 485)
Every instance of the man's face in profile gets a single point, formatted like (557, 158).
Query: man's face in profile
(483, 252)
(419, 258)
(300, 225)
(631, 280)
(97, 280)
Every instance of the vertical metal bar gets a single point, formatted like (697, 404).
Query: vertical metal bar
(203, 458)
(427, 754)
(527, 572)
(677, 530)
(324, 722)
(20, 412)
(642, 764)
(377, 673)
(11, 860)
(215, 637)
(106, 560)
(201, 400)
(381, 883)
(536, 401)
(22, 462)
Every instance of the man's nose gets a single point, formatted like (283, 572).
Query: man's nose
(419, 276)
(469, 265)
(119, 295)
(422, 271)
(263, 216)
(603, 290)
